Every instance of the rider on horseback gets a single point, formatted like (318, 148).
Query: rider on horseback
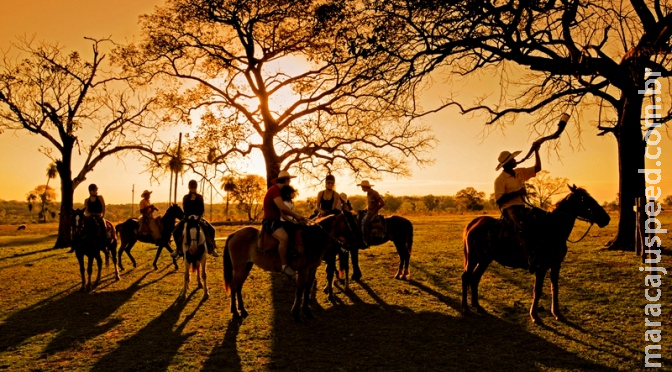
(509, 193)
(146, 210)
(194, 205)
(94, 207)
(328, 199)
(374, 203)
(273, 205)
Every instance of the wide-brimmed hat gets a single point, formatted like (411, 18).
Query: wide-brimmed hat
(283, 174)
(505, 157)
(145, 192)
(365, 183)
(343, 196)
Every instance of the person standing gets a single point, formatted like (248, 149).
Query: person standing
(374, 203)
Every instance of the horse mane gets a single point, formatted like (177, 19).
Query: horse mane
(558, 204)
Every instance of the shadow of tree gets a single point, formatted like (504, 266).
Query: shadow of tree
(153, 347)
(21, 241)
(75, 317)
(388, 337)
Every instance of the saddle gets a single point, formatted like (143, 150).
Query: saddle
(378, 226)
(514, 249)
(266, 243)
(144, 230)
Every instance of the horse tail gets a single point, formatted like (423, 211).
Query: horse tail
(228, 266)
(118, 227)
(409, 238)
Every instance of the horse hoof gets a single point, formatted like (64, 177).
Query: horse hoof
(560, 318)
(206, 295)
(83, 289)
(325, 289)
(536, 319)
(155, 268)
(356, 276)
(331, 298)
(396, 276)
(243, 313)
(200, 286)
(480, 309)
(465, 310)
(117, 278)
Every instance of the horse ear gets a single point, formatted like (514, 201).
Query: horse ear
(572, 188)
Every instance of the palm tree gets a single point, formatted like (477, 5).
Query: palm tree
(228, 186)
(52, 172)
(32, 198)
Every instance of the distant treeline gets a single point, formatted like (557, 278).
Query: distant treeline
(16, 212)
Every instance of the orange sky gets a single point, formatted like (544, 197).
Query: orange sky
(463, 156)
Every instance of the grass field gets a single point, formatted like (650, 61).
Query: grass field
(380, 324)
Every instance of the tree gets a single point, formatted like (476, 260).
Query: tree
(542, 188)
(293, 80)
(574, 53)
(668, 201)
(392, 203)
(249, 192)
(47, 197)
(228, 186)
(470, 199)
(72, 102)
(431, 202)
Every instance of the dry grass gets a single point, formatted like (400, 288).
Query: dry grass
(380, 324)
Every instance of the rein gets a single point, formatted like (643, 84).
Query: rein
(342, 244)
(584, 234)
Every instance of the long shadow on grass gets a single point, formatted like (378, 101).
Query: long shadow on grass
(75, 317)
(225, 357)
(388, 337)
(153, 347)
(17, 255)
(24, 241)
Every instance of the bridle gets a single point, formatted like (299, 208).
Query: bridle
(342, 244)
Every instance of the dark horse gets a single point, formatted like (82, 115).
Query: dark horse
(482, 244)
(241, 254)
(129, 233)
(88, 241)
(397, 229)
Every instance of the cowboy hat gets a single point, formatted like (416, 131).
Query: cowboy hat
(365, 183)
(505, 157)
(283, 174)
(145, 192)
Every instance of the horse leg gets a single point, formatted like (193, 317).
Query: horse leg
(466, 283)
(540, 274)
(99, 261)
(402, 257)
(89, 271)
(128, 252)
(298, 296)
(204, 274)
(113, 253)
(170, 250)
(156, 257)
(305, 308)
(198, 274)
(187, 266)
(80, 259)
(344, 268)
(475, 281)
(239, 277)
(356, 271)
(555, 305)
(331, 268)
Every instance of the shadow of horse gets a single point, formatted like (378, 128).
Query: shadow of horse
(153, 347)
(225, 356)
(382, 336)
(75, 318)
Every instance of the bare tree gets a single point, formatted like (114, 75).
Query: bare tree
(47, 197)
(294, 80)
(575, 53)
(542, 188)
(73, 103)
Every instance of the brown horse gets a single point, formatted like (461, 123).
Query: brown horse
(482, 244)
(129, 234)
(241, 254)
(88, 240)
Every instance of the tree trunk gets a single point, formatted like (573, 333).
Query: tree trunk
(631, 148)
(270, 158)
(64, 167)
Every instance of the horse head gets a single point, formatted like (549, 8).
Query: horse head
(586, 207)
(174, 212)
(193, 234)
(77, 223)
(342, 227)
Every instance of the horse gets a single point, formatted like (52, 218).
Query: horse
(241, 254)
(21, 227)
(86, 241)
(482, 244)
(397, 229)
(193, 249)
(129, 233)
